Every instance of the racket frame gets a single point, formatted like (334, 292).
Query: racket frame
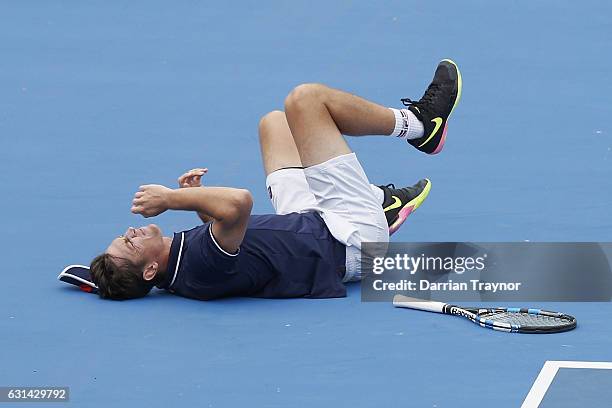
(479, 315)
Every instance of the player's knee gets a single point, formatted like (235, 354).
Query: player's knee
(270, 119)
(268, 122)
(303, 95)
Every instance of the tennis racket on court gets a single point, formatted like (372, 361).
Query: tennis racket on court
(507, 319)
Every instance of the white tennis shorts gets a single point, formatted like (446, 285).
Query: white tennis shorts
(340, 192)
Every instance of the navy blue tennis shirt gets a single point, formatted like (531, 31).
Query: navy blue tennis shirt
(281, 256)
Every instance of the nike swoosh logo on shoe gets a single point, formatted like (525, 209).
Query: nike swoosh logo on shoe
(395, 205)
(438, 121)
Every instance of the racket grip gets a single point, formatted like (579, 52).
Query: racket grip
(418, 304)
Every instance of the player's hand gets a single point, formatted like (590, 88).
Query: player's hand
(151, 200)
(193, 178)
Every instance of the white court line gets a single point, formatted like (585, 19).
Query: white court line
(547, 374)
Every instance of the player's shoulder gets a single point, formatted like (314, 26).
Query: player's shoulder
(194, 231)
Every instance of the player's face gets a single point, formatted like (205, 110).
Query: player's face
(139, 245)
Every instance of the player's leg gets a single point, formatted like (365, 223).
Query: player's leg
(285, 180)
(319, 115)
(278, 150)
(349, 205)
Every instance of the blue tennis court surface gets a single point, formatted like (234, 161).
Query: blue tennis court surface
(97, 98)
(570, 382)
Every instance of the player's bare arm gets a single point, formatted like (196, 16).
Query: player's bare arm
(229, 207)
(191, 179)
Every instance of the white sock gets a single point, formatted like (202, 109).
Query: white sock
(380, 195)
(407, 126)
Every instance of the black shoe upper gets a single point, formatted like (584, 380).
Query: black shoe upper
(437, 102)
(405, 195)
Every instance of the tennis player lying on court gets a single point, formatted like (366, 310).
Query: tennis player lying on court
(325, 205)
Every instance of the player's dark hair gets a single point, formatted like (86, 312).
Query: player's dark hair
(118, 278)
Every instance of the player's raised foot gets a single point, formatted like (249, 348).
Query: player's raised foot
(436, 106)
(399, 203)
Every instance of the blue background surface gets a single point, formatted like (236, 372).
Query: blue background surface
(99, 97)
(570, 382)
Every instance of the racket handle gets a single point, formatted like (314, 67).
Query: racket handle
(418, 304)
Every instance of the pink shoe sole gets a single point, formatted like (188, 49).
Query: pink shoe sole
(442, 141)
(401, 217)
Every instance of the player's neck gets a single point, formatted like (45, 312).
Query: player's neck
(165, 255)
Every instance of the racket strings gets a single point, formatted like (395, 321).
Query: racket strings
(526, 319)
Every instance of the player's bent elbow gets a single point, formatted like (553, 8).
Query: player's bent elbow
(245, 201)
(239, 206)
